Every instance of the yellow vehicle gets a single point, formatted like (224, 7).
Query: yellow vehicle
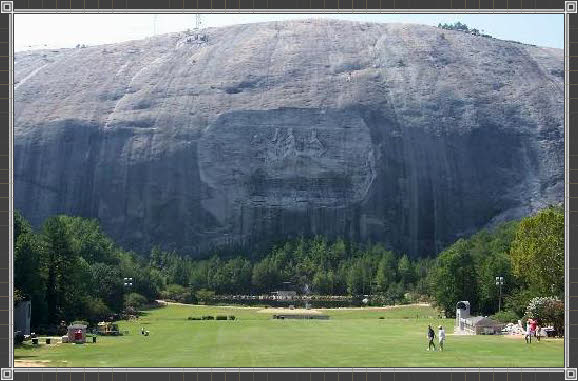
(108, 329)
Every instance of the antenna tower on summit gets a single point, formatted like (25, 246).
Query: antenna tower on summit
(199, 36)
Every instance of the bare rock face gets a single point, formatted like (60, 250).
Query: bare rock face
(403, 134)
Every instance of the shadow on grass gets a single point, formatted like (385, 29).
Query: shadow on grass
(27, 346)
(22, 357)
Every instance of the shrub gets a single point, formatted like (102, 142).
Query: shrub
(231, 317)
(17, 297)
(518, 301)
(205, 295)
(220, 317)
(134, 300)
(549, 310)
(19, 339)
(537, 307)
(95, 310)
(506, 317)
(178, 293)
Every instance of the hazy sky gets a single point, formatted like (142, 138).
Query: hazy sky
(35, 31)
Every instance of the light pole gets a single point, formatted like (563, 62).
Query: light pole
(127, 282)
(500, 283)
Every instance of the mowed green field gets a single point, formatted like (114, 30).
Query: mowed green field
(349, 339)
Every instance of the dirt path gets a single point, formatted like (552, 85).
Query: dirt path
(297, 311)
(31, 363)
(287, 311)
(164, 302)
(371, 308)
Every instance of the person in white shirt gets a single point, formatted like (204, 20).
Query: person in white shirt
(441, 337)
(528, 335)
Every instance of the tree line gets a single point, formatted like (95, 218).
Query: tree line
(71, 270)
(528, 254)
(463, 28)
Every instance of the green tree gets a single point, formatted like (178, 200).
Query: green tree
(455, 277)
(340, 279)
(386, 271)
(29, 274)
(323, 283)
(157, 258)
(108, 285)
(517, 301)
(205, 295)
(199, 275)
(75, 283)
(490, 266)
(21, 226)
(95, 310)
(265, 276)
(395, 293)
(178, 271)
(180, 294)
(405, 270)
(337, 251)
(137, 268)
(88, 240)
(538, 251)
(60, 262)
(134, 300)
(239, 271)
(423, 269)
(355, 279)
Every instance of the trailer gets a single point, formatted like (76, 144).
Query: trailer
(108, 329)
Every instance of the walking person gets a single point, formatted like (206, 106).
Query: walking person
(528, 336)
(533, 325)
(441, 337)
(430, 336)
(538, 329)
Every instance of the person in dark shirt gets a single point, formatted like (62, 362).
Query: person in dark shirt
(430, 336)
(538, 329)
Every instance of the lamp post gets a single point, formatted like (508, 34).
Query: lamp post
(500, 283)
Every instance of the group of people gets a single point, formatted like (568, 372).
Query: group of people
(533, 329)
(431, 335)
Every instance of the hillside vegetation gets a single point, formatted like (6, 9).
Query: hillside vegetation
(71, 270)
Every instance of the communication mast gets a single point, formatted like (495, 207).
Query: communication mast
(198, 26)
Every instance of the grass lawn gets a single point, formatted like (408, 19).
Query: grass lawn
(348, 339)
